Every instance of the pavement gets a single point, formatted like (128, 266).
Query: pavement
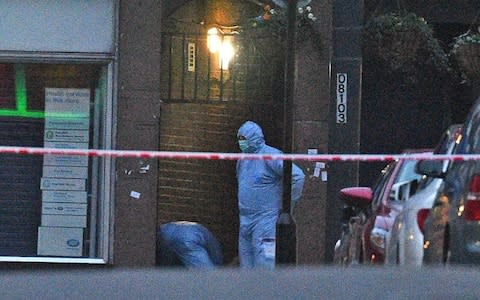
(320, 282)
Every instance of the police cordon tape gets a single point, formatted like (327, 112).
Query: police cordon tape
(234, 156)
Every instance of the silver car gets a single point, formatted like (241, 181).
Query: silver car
(452, 228)
(405, 241)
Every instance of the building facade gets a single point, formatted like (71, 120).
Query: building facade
(139, 75)
(58, 73)
(105, 75)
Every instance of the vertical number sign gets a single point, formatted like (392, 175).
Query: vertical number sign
(342, 98)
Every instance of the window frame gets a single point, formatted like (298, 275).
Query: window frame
(106, 171)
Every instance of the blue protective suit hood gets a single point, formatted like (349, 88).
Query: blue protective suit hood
(253, 134)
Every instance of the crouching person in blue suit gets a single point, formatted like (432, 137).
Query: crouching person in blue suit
(187, 244)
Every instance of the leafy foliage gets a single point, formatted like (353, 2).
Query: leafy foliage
(404, 43)
(469, 37)
(466, 53)
(275, 21)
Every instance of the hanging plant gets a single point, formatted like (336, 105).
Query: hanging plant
(466, 52)
(274, 19)
(402, 42)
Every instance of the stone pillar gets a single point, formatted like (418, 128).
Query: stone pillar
(138, 107)
(345, 107)
(311, 110)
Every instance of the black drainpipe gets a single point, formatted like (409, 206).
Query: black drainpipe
(286, 236)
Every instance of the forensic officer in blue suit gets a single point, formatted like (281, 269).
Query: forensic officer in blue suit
(260, 188)
(187, 244)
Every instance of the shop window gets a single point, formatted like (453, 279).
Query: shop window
(54, 207)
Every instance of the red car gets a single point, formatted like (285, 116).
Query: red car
(370, 212)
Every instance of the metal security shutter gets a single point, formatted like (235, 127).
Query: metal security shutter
(20, 196)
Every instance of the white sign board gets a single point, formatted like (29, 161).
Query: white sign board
(64, 196)
(67, 103)
(62, 184)
(65, 160)
(66, 135)
(58, 26)
(66, 145)
(341, 107)
(64, 221)
(65, 172)
(60, 241)
(73, 209)
(67, 123)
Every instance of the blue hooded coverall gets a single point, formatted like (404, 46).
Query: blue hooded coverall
(260, 187)
(188, 244)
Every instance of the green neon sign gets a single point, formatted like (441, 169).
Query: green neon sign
(21, 98)
(21, 101)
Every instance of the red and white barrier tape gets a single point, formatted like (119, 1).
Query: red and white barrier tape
(233, 156)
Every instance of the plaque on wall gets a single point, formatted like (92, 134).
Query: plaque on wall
(62, 184)
(67, 123)
(64, 196)
(65, 172)
(65, 209)
(66, 135)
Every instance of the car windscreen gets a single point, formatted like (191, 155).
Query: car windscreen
(407, 172)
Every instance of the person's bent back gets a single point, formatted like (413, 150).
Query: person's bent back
(188, 244)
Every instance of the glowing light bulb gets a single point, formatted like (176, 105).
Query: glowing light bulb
(213, 40)
(226, 54)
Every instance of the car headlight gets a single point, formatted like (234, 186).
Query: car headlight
(378, 237)
(337, 245)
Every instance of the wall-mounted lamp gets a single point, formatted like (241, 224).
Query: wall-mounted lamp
(213, 40)
(221, 44)
(226, 53)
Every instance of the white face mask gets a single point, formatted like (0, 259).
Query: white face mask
(243, 144)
